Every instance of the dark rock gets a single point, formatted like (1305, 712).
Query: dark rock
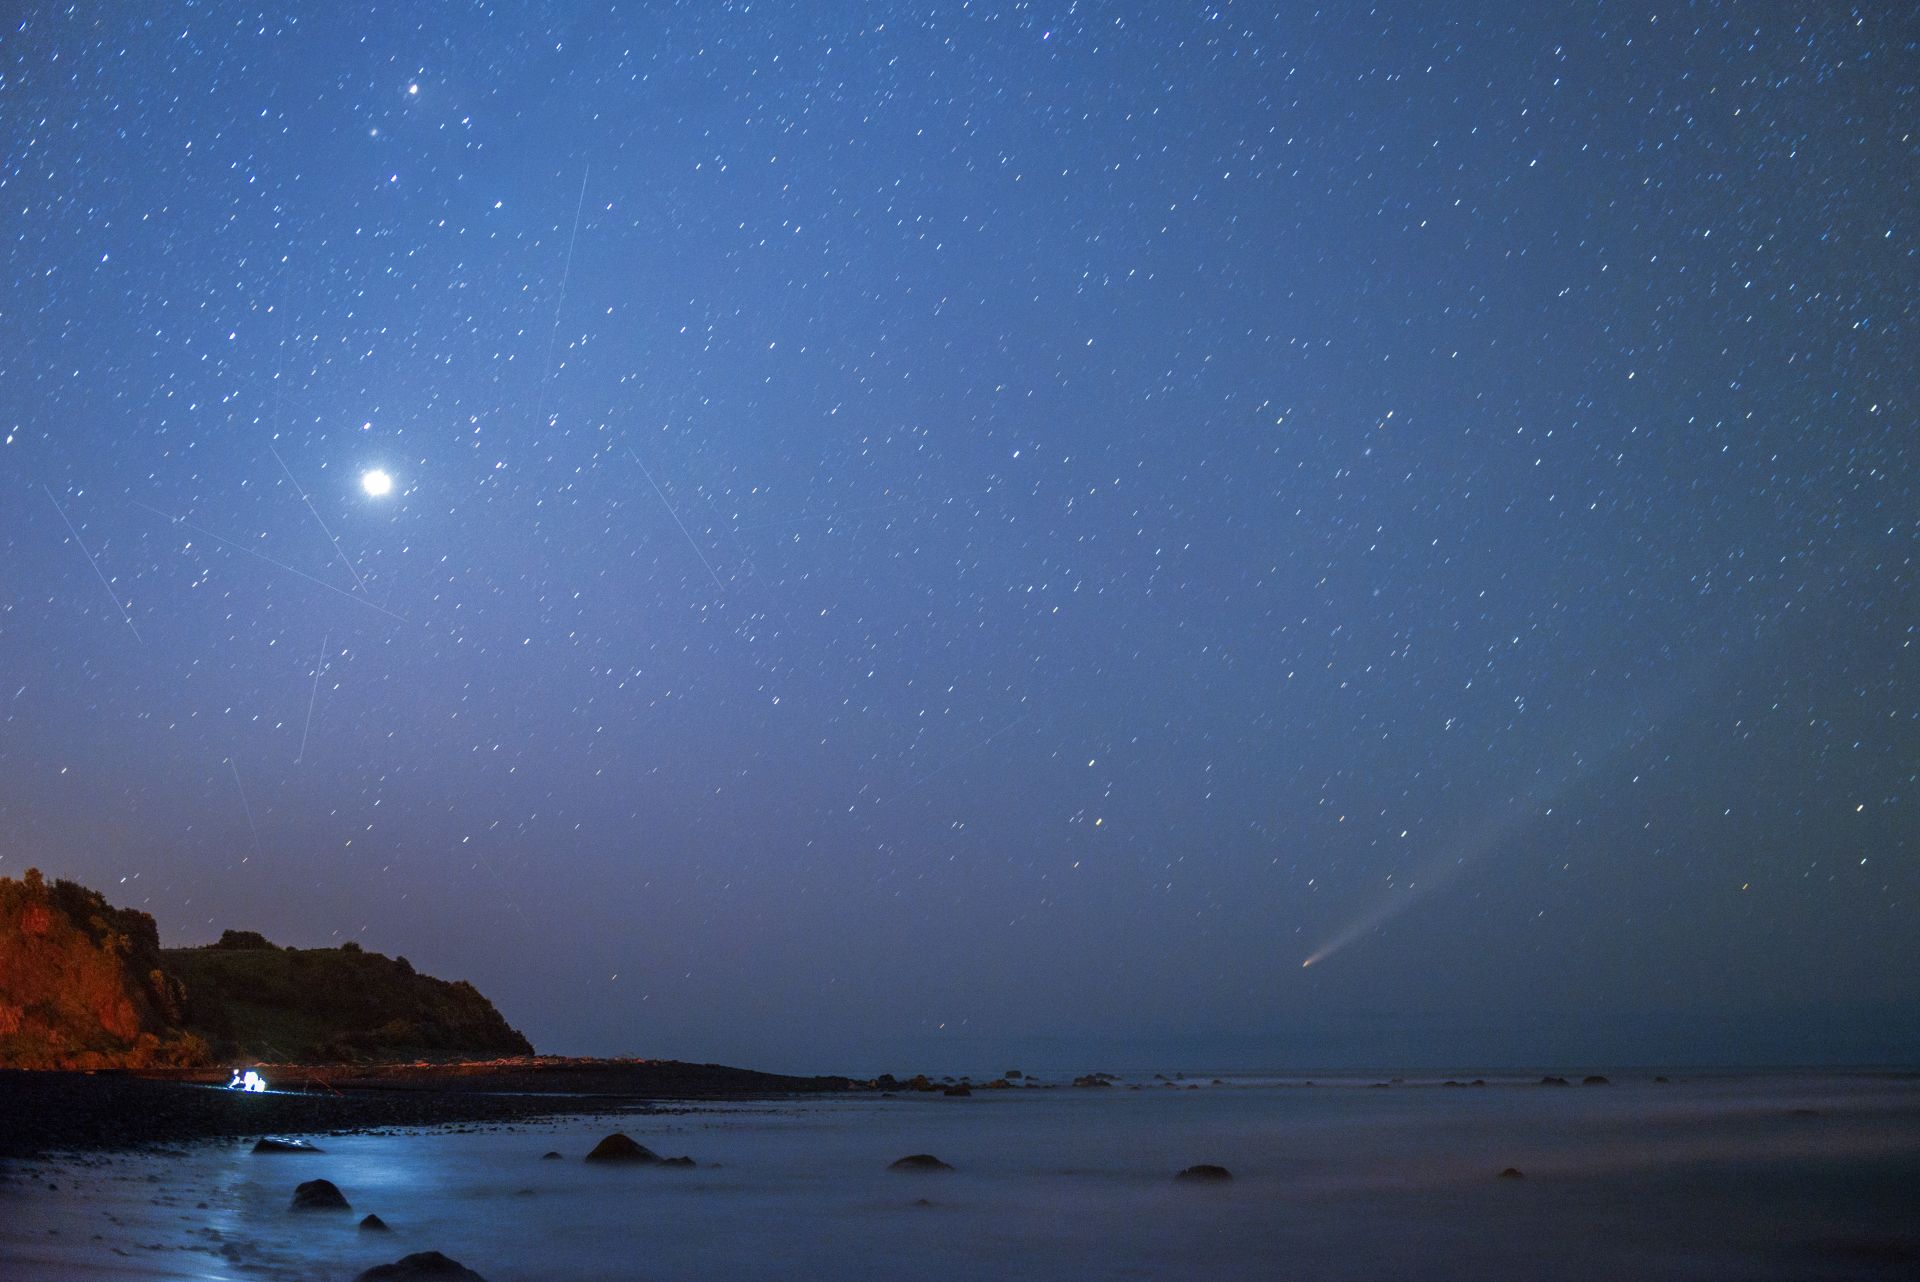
(1661, 1080)
(423, 1266)
(1512, 1173)
(1551, 1080)
(619, 1148)
(1594, 1079)
(374, 1224)
(1012, 1074)
(318, 1195)
(921, 1201)
(958, 1091)
(1205, 1173)
(551, 1155)
(273, 1144)
(682, 1160)
(1478, 1081)
(1093, 1079)
(919, 1162)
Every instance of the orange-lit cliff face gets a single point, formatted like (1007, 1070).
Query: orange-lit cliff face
(86, 985)
(81, 984)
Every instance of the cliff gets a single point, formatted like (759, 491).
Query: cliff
(81, 983)
(86, 985)
(332, 1004)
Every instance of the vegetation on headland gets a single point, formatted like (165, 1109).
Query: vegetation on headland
(86, 985)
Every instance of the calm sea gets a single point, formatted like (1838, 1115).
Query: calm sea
(1756, 1176)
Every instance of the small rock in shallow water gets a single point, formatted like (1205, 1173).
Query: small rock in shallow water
(318, 1195)
(1512, 1173)
(621, 1148)
(682, 1160)
(274, 1144)
(421, 1265)
(1206, 1172)
(550, 1156)
(374, 1224)
(919, 1162)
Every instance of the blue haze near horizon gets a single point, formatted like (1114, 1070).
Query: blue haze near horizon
(927, 529)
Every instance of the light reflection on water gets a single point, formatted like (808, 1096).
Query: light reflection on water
(1729, 1176)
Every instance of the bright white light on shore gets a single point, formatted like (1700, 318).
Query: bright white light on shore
(248, 1081)
(376, 482)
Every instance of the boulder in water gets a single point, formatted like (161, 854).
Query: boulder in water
(919, 1162)
(621, 1148)
(274, 1144)
(318, 1195)
(374, 1224)
(1512, 1173)
(1205, 1173)
(421, 1266)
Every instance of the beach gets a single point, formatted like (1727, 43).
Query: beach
(1739, 1175)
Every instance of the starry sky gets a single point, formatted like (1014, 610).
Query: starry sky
(922, 532)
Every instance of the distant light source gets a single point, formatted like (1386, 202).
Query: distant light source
(376, 482)
(247, 1081)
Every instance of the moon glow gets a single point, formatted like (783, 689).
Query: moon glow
(376, 482)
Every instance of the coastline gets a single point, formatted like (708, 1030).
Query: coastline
(1783, 1177)
(105, 1110)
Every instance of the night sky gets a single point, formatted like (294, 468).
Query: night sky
(928, 532)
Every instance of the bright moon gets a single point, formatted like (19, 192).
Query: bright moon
(376, 482)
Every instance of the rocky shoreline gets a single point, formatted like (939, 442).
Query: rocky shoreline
(42, 1112)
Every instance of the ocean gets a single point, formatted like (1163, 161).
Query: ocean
(1750, 1176)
